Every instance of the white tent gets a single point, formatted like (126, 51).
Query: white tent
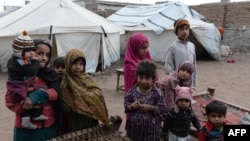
(156, 21)
(69, 25)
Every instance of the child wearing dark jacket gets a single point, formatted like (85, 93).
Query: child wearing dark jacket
(178, 122)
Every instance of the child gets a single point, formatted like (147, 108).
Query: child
(178, 121)
(144, 102)
(137, 50)
(216, 118)
(23, 67)
(182, 77)
(84, 102)
(59, 66)
(47, 97)
(182, 49)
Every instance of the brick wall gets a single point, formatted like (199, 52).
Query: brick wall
(235, 18)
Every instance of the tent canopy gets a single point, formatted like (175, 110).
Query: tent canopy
(70, 25)
(156, 21)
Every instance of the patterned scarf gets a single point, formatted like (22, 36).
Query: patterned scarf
(81, 93)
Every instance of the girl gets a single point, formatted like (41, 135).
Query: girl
(181, 49)
(47, 96)
(23, 67)
(83, 100)
(144, 103)
(181, 77)
(137, 50)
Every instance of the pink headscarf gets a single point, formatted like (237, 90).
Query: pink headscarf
(132, 58)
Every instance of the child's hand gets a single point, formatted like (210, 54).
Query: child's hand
(147, 107)
(135, 105)
(27, 103)
(34, 57)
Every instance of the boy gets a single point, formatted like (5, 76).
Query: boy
(59, 66)
(181, 49)
(216, 118)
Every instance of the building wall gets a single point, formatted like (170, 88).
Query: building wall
(235, 18)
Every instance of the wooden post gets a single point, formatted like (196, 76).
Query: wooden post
(211, 90)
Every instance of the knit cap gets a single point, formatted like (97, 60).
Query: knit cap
(178, 23)
(21, 43)
(183, 93)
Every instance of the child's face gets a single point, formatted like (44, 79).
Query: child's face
(183, 32)
(217, 119)
(43, 54)
(143, 49)
(59, 71)
(183, 74)
(183, 103)
(78, 67)
(144, 82)
(29, 54)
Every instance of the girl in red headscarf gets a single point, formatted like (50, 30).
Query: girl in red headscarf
(137, 50)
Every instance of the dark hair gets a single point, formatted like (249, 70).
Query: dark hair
(146, 67)
(187, 67)
(41, 41)
(216, 107)
(176, 27)
(28, 49)
(175, 22)
(58, 62)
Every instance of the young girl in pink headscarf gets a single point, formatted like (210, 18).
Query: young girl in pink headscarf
(137, 50)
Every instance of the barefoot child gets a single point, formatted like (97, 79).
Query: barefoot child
(144, 102)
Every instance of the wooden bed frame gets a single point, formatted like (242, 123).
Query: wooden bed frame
(102, 133)
(98, 133)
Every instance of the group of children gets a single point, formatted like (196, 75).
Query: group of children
(162, 107)
(149, 106)
(76, 87)
(154, 106)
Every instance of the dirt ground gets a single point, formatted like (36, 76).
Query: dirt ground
(231, 82)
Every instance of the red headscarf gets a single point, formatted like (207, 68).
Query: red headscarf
(132, 58)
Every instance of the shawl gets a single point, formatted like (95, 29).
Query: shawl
(81, 93)
(132, 58)
(169, 83)
(181, 82)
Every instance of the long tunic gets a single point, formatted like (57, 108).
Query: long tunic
(144, 126)
(178, 52)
